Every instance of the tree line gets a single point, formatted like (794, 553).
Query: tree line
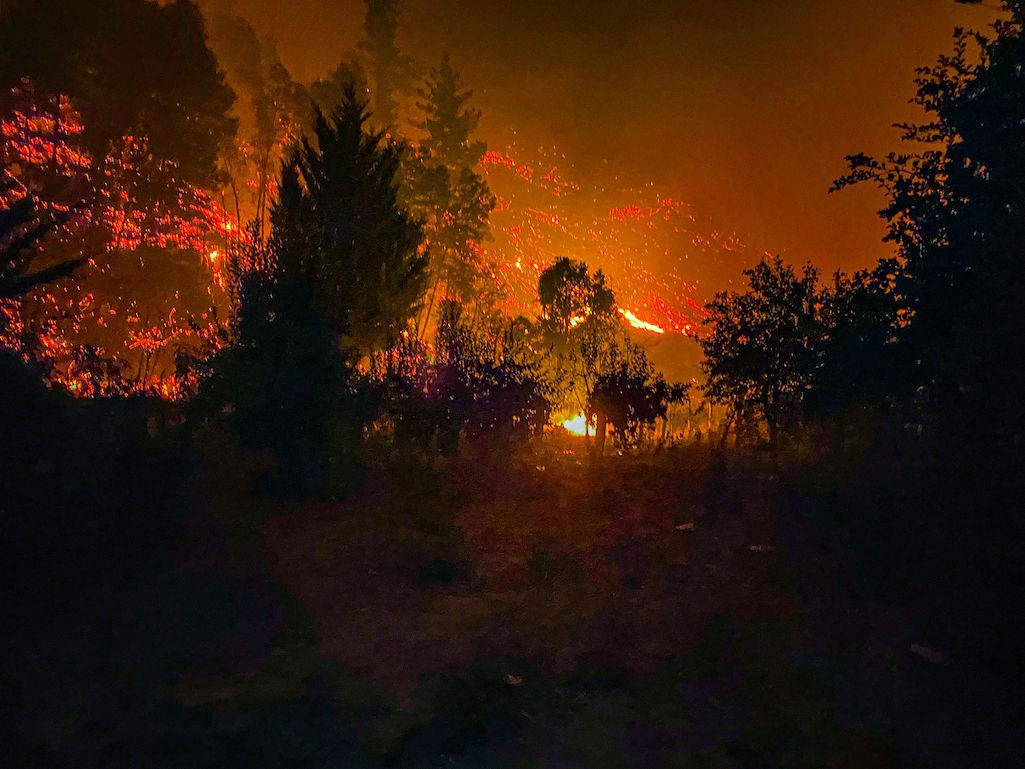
(343, 294)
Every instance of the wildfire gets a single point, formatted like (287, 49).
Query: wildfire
(636, 322)
(655, 249)
(576, 425)
(39, 147)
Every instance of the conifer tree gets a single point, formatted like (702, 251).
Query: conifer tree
(338, 227)
(391, 70)
(343, 277)
(446, 191)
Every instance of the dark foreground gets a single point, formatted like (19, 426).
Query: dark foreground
(488, 611)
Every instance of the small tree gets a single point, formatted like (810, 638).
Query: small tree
(856, 364)
(759, 349)
(630, 395)
(579, 323)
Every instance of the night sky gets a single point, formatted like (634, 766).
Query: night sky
(745, 109)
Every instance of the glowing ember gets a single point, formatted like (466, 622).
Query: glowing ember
(636, 322)
(661, 258)
(576, 425)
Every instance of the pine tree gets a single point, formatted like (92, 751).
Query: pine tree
(344, 276)
(448, 121)
(447, 193)
(338, 227)
(392, 71)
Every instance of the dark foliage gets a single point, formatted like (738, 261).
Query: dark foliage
(759, 349)
(341, 275)
(445, 191)
(337, 226)
(631, 394)
(21, 231)
(391, 70)
(481, 384)
(149, 73)
(955, 212)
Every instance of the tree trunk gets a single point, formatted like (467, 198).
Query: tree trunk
(599, 435)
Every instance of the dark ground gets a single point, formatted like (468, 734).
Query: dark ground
(652, 611)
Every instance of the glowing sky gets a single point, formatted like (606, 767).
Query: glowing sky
(743, 108)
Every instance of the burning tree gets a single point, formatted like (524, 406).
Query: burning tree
(110, 216)
(149, 74)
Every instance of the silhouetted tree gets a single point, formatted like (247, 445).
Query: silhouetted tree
(391, 70)
(578, 321)
(338, 227)
(956, 211)
(445, 191)
(570, 296)
(630, 395)
(342, 278)
(759, 349)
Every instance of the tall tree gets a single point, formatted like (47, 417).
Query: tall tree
(391, 70)
(272, 110)
(448, 121)
(447, 193)
(956, 211)
(338, 227)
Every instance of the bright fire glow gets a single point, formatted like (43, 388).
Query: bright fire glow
(636, 322)
(576, 425)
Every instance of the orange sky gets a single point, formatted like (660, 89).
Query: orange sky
(744, 108)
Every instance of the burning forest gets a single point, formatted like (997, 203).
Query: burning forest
(424, 383)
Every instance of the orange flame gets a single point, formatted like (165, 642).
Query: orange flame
(636, 322)
(576, 425)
